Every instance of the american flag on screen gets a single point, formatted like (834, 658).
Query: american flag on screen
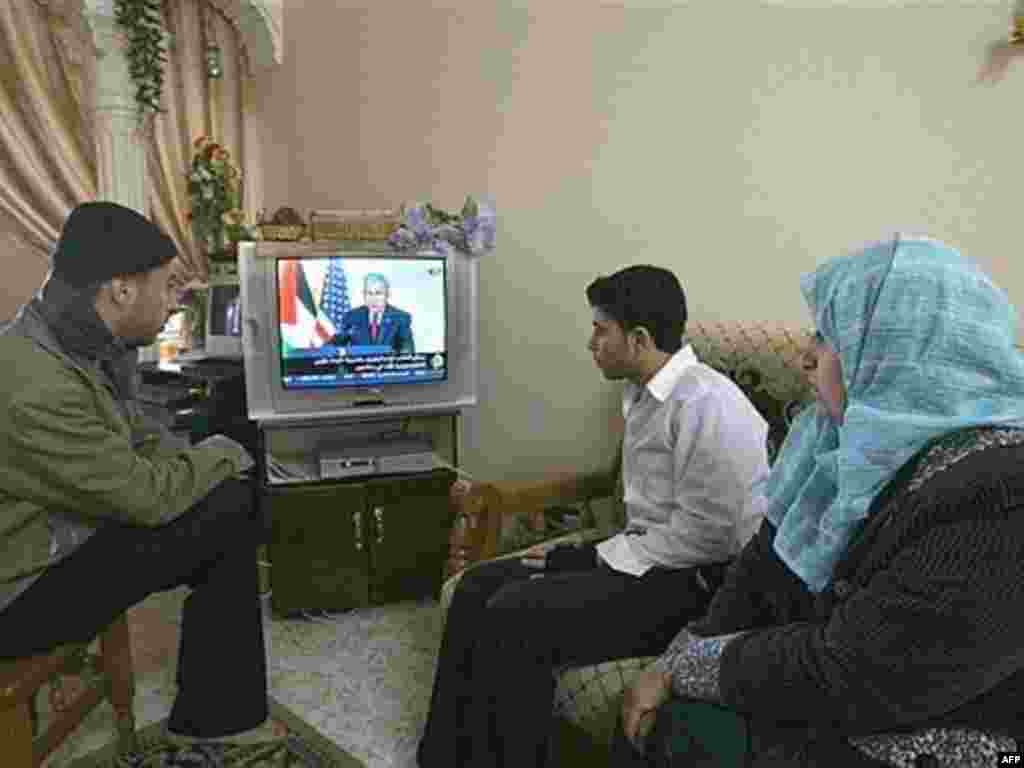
(334, 300)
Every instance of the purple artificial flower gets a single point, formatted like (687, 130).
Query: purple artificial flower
(488, 222)
(480, 230)
(489, 234)
(402, 239)
(416, 220)
(473, 231)
(452, 234)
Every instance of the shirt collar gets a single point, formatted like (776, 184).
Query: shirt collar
(664, 381)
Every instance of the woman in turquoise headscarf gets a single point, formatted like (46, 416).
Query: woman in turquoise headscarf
(877, 617)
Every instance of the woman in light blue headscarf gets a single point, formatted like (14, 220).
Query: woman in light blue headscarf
(885, 589)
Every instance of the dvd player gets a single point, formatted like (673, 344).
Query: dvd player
(376, 457)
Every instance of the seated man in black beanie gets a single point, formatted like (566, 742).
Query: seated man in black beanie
(100, 508)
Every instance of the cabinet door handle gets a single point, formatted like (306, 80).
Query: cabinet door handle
(357, 526)
(378, 515)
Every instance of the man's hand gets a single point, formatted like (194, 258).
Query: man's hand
(560, 557)
(537, 556)
(245, 461)
(460, 488)
(640, 702)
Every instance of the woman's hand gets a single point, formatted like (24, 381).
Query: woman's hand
(640, 702)
(998, 61)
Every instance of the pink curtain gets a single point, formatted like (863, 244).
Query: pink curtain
(47, 144)
(48, 156)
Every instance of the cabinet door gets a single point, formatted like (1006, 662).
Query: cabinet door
(318, 547)
(410, 519)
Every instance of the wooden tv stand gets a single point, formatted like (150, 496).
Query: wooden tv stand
(338, 544)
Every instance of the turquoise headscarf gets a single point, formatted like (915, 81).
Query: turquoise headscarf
(926, 344)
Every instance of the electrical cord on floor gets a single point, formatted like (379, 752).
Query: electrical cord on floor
(324, 617)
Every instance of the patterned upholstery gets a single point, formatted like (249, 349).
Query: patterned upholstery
(589, 696)
(766, 364)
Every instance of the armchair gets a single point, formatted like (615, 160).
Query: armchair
(499, 518)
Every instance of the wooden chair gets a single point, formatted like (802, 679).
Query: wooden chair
(20, 744)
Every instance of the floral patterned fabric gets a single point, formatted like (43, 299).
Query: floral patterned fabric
(950, 747)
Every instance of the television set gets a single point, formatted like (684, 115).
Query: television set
(356, 329)
(223, 332)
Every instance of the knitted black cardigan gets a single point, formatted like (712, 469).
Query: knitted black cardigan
(923, 623)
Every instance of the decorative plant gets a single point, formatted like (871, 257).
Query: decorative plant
(142, 21)
(471, 231)
(214, 189)
(236, 226)
(192, 300)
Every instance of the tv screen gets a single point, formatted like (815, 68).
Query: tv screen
(361, 321)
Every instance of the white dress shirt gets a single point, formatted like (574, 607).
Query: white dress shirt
(693, 455)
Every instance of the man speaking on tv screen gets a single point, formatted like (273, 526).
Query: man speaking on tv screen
(377, 322)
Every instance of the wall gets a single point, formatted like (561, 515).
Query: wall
(738, 144)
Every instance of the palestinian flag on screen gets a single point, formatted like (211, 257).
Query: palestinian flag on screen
(303, 324)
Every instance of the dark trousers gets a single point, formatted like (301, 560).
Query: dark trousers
(221, 675)
(508, 628)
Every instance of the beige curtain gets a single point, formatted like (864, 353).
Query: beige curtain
(196, 106)
(48, 160)
(47, 144)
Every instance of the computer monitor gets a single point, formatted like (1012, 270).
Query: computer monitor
(223, 318)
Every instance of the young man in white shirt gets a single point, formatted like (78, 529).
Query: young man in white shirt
(694, 447)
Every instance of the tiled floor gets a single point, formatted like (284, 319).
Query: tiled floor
(362, 678)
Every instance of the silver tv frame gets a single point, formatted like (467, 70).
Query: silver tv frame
(269, 402)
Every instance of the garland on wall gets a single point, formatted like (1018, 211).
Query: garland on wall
(142, 22)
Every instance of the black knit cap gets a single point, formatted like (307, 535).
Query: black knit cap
(101, 240)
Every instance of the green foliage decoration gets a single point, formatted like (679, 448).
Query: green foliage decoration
(142, 22)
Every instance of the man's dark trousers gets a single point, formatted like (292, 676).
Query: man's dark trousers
(222, 675)
(510, 625)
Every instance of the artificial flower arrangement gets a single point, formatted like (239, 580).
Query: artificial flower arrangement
(472, 230)
(214, 189)
(192, 300)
